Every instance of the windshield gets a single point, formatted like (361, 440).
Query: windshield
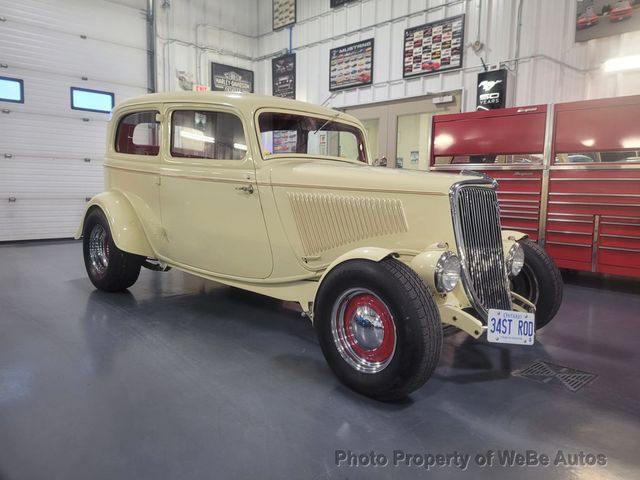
(282, 133)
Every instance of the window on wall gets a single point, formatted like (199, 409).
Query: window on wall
(11, 90)
(204, 134)
(139, 134)
(91, 100)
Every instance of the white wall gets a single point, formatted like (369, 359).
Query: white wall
(552, 68)
(549, 29)
(225, 30)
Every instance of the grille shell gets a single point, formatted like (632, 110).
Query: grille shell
(476, 221)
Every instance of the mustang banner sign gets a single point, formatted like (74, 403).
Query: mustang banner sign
(492, 90)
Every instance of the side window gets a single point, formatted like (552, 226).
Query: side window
(139, 134)
(204, 134)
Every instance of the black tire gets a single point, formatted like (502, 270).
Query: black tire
(109, 268)
(540, 282)
(417, 328)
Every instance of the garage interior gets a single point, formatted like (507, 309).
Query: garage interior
(180, 377)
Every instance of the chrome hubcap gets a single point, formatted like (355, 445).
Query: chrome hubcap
(99, 249)
(363, 330)
(367, 328)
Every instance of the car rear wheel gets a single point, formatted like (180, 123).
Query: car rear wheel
(109, 268)
(378, 327)
(540, 282)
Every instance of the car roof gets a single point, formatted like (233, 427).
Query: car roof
(247, 102)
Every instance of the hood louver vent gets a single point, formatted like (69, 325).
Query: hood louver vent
(327, 221)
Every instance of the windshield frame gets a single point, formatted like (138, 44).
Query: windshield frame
(335, 117)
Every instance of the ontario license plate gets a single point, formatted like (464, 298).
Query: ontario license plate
(507, 326)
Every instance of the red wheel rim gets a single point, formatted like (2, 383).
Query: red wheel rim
(364, 330)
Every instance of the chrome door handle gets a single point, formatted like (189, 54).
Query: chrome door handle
(246, 189)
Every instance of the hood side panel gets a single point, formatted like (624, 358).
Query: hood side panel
(327, 220)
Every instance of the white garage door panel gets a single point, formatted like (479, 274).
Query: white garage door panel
(95, 18)
(28, 47)
(35, 135)
(43, 142)
(26, 176)
(30, 218)
(51, 94)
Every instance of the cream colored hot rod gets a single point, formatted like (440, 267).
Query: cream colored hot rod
(279, 197)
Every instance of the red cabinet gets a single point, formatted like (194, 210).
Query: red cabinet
(568, 175)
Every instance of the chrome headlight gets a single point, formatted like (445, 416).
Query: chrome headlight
(515, 259)
(447, 273)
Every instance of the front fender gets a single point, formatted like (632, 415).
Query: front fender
(512, 236)
(363, 253)
(125, 226)
(509, 237)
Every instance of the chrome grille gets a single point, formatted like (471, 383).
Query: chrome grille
(477, 227)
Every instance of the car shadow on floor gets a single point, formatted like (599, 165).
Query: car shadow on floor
(227, 315)
(472, 361)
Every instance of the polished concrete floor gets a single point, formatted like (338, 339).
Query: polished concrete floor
(175, 381)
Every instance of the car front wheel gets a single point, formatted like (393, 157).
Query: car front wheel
(378, 327)
(109, 268)
(540, 282)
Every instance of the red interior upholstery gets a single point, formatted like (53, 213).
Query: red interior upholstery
(125, 144)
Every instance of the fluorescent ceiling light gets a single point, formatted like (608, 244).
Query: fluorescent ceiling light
(621, 64)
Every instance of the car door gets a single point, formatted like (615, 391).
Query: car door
(210, 203)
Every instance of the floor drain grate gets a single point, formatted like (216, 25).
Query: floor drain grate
(546, 372)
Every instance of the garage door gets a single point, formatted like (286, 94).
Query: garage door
(51, 154)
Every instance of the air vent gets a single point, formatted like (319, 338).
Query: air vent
(327, 221)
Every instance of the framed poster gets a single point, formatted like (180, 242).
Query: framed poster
(351, 66)
(433, 47)
(284, 13)
(602, 18)
(283, 76)
(285, 141)
(225, 78)
(338, 3)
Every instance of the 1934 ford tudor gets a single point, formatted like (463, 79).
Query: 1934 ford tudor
(279, 197)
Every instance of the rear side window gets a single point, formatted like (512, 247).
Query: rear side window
(11, 90)
(205, 134)
(139, 134)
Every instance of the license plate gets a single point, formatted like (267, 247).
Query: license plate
(507, 326)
